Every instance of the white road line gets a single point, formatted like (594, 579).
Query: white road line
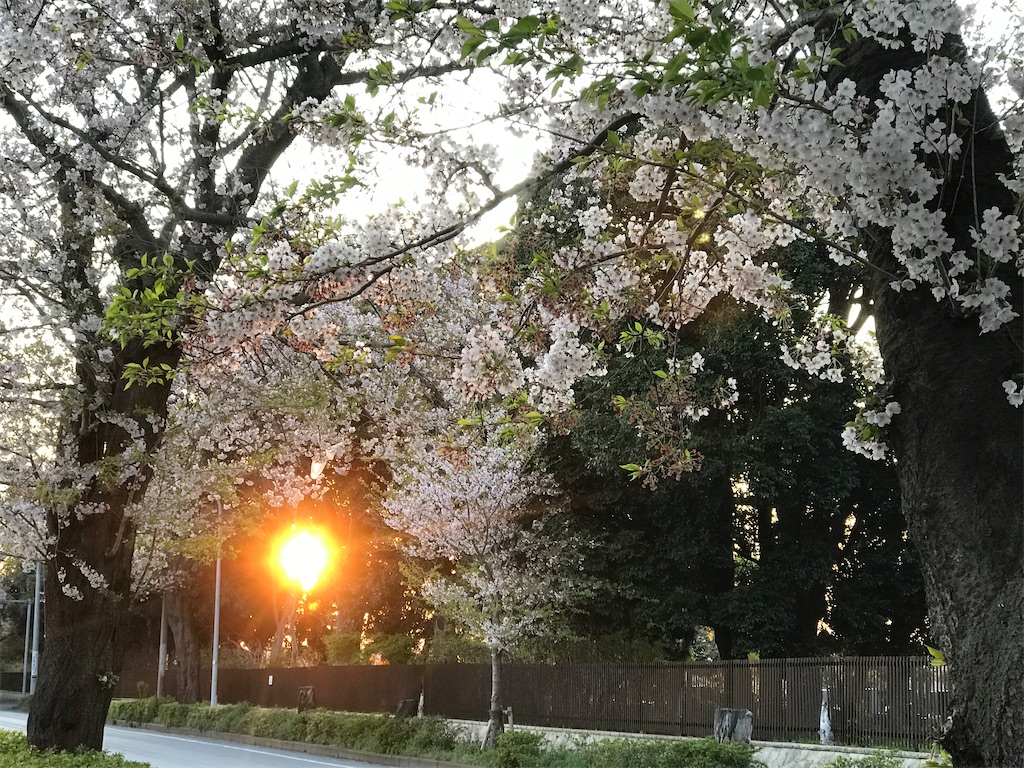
(213, 742)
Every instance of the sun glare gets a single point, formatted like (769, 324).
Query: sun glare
(303, 557)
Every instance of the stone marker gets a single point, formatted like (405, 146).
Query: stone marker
(307, 698)
(406, 708)
(734, 725)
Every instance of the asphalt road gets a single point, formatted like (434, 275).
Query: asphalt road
(163, 750)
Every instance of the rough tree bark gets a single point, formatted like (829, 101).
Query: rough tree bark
(960, 447)
(85, 623)
(186, 646)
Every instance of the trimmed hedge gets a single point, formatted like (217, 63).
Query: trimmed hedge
(16, 753)
(382, 734)
(430, 737)
(691, 753)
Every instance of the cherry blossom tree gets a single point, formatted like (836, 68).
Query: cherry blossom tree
(865, 126)
(703, 138)
(137, 142)
(473, 507)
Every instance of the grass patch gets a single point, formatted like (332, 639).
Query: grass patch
(16, 753)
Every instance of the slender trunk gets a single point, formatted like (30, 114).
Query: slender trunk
(495, 720)
(285, 618)
(721, 567)
(186, 646)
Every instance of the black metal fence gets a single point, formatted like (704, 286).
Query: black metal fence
(881, 701)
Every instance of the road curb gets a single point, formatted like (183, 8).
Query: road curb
(320, 750)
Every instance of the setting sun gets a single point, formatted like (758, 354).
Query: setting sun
(303, 557)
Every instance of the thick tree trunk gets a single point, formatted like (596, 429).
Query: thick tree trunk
(186, 646)
(960, 460)
(79, 665)
(495, 718)
(88, 573)
(959, 444)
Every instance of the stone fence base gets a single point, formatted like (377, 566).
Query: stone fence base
(772, 754)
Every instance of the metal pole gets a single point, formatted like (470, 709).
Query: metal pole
(163, 647)
(216, 621)
(35, 629)
(28, 640)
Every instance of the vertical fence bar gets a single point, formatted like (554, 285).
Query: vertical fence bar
(874, 701)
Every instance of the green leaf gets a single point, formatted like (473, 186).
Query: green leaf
(471, 45)
(467, 26)
(681, 9)
(179, 43)
(525, 27)
(938, 657)
(697, 36)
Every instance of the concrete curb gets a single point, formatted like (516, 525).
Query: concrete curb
(320, 750)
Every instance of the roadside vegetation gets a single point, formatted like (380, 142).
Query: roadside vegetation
(16, 753)
(429, 738)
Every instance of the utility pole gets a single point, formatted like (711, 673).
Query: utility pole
(163, 647)
(216, 617)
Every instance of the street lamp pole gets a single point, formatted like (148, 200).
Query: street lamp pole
(161, 670)
(28, 640)
(216, 619)
(35, 629)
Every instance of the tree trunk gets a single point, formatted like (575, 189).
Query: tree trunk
(959, 444)
(721, 566)
(186, 646)
(88, 573)
(495, 719)
(959, 455)
(285, 616)
(78, 668)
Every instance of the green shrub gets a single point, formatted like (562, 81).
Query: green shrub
(430, 734)
(389, 737)
(519, 749)
(15, 753)
(353, 731)
(876, 760)
(172, 714)
(135, 710)
(229, 718)
(285, 724)
(198, 716)
(691, 753)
